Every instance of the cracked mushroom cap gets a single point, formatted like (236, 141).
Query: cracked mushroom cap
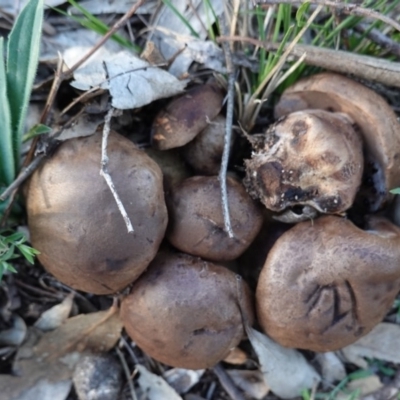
(197, 222)
(74, 220)
(310, 158)
(375, 119)
(327, 283)
(185, 312)
(186, 116)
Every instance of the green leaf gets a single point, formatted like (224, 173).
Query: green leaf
(22, 62)
(300, 12)
(37, 130)
(7, 164)
(11, 268)
(395, 191)
(28, 252)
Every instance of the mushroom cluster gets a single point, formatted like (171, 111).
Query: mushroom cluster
(333, 150)
(324, 283)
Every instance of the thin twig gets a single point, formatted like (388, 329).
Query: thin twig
(346, 8)
(228, 130)
(227, 383)
(27, 171)
(23, 175)
(365, 67)
(376, 36)
(106, 175)
(127, 373)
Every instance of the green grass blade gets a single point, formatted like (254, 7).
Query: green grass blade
(22, 62)
(181, 17)
(7, 164)
(96, 25)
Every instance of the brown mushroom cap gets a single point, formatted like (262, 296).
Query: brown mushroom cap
(197, 223)
(377, 121)
(327, 283)
(184, 311)
(186, 116)
(74, 220)
(310, 158)
(204, 152)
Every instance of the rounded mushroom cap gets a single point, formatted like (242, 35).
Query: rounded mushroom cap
(376, 120)
(74, 220)
(185, 312)
(186, 116)
(197, 223)
(311, 158)
(327, 283)
(204, 152)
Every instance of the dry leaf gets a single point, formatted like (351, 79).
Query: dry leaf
(182, 380)
(198, 16)
(115, 6)
(285, 371)
(72, 45)
(251, 382)
(16, 334)
(332, 368)
(12, 6)
(132, 82)
(45, 362)
(155, 387)
(236, 357)
(56, 315)
(383, 343)
(86, 125)
(365, 386)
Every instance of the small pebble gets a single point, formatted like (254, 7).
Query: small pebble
(98, 377)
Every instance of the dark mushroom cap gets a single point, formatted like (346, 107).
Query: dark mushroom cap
(185, 312)
(197, 223)
(186, 116)
(375, 119)
(310, 158)
(74, 220)
(204, 152)
(327, 283)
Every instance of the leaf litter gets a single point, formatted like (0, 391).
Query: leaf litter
(44, 364)
(276, 362)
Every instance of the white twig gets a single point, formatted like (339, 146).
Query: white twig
(106, 175)
(228, 131)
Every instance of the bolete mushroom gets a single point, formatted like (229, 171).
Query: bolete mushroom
(327, 283)
(373, 117)
(204, 152)
(310, 158)
(185, 312)
(186, 116)
(74, 220)
(197, 223)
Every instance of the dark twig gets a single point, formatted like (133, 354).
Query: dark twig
(376, 36)
(226, 381)
(228, 130)
(346, 8)
(106, 175)
(127, 373)
(25, 173)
